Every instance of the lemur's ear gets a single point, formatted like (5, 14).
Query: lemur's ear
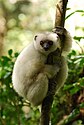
(35, 37)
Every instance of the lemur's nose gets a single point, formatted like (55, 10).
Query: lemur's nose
(46, 46)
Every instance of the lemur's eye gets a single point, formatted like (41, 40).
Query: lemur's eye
(41, 42)
(51, 42)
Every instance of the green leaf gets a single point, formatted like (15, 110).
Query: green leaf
(74, 12)
(75, 90)
(78, 38)
(5, 58)
(82, 82)
(7, 75)
(10, 52)
(66, 87)
(16, 54)
(82, 105)
(4, 61)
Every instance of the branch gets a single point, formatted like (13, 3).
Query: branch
(60, 13)
(47, 102)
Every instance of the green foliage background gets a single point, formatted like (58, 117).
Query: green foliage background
(21, 20)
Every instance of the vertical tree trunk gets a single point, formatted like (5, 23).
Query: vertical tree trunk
(47, 102)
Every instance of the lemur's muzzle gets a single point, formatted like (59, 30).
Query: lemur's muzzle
(47, 45)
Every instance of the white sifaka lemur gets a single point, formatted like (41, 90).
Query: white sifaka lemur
(31, 73)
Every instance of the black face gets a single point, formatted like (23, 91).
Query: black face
(46, 44)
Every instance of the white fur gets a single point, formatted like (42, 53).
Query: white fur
(31, 75)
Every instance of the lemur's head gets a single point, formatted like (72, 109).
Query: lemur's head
(46, 42)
